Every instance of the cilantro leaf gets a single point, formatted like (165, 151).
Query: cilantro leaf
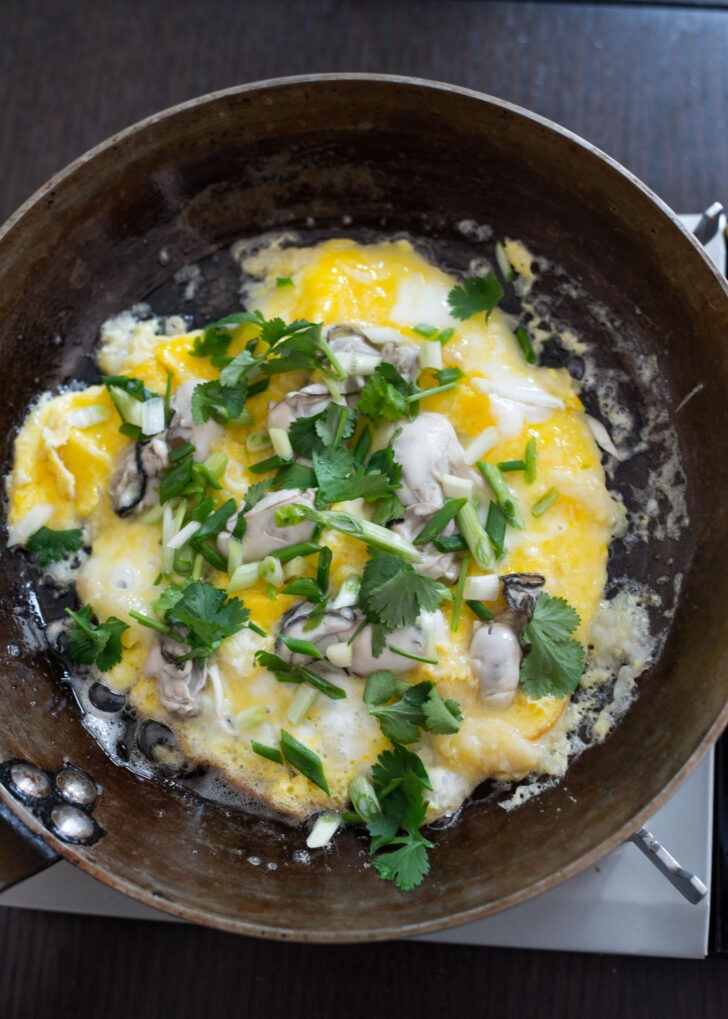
(407, 865)
(223, 403)
(340, 479)
(384, 394)
(415, 707)
(48, 546)
(95, 643)
(554, 661)
(215, 338)
(335, 424)
(441, 716)
(393, 593)
(476, 294)
(203, 616)
(239, 367)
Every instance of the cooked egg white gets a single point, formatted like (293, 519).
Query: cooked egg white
(385, 290)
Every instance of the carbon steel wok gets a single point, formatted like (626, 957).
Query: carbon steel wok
(387, 154)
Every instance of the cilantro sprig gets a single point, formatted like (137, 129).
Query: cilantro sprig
(554, 661)
(475, 294)
(48, 546)
(393, 594)
(200, 616)
(398, 847)
(403, 709)
(93, 643)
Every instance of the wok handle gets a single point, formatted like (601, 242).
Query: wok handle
(22, 854)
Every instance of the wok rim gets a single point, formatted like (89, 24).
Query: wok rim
(374, 934)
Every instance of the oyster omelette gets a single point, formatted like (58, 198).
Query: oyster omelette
(350, 544)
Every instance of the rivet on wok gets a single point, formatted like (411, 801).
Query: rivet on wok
(76, 786)
(28, 781)
(72, 824)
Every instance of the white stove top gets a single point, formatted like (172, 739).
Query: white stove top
(620, 905)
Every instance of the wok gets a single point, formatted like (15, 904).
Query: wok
(367, 153)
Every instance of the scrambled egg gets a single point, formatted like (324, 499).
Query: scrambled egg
(65, 460)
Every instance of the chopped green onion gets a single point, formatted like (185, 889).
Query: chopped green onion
(304, 760)
(363, 798)
(511, 465)
(348, 592)
(430, 355)
(183, 536)
(411, 655)
(524, 342)
(545, 502)
(482, 588)
(250, 717)
(295, 567)
(530, 458)
(479, 609)
(235, 556)
(481, 444)
(458, 600)
(243, 577)
(180, 452)
(301, 647)
(272, 572)
(455, 487)
(507, 270)
(504, 497)
(450, 543)
(472, 530)
(281, 443)
(271, 463)
(215, 464)
(495, 526)
(373, 534)
(284, 281)
(439, 521)
(302, 548)
(445, 335)
(430, 392)
(313, 679)
(303, 587)
(324, 828)
(322, 573)
(425, 330)
(257, 441)
(268, 752)
(301, 703)
(340, 654)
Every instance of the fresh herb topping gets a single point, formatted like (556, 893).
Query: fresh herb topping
(403, 710)
(524, 342)
(399, 779)
(284, 281)
(385, 394)
(48, 546)
(200, 616)
(223, 403)
(304, 760)
(95, 643)
(393, 594)
(129, 396)
(477, 293)
(554, 661)
(346, 523)
(545, 502)
(286, 673)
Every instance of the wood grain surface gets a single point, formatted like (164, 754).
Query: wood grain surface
(647, 84)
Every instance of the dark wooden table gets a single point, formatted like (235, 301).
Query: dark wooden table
(647, 84)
